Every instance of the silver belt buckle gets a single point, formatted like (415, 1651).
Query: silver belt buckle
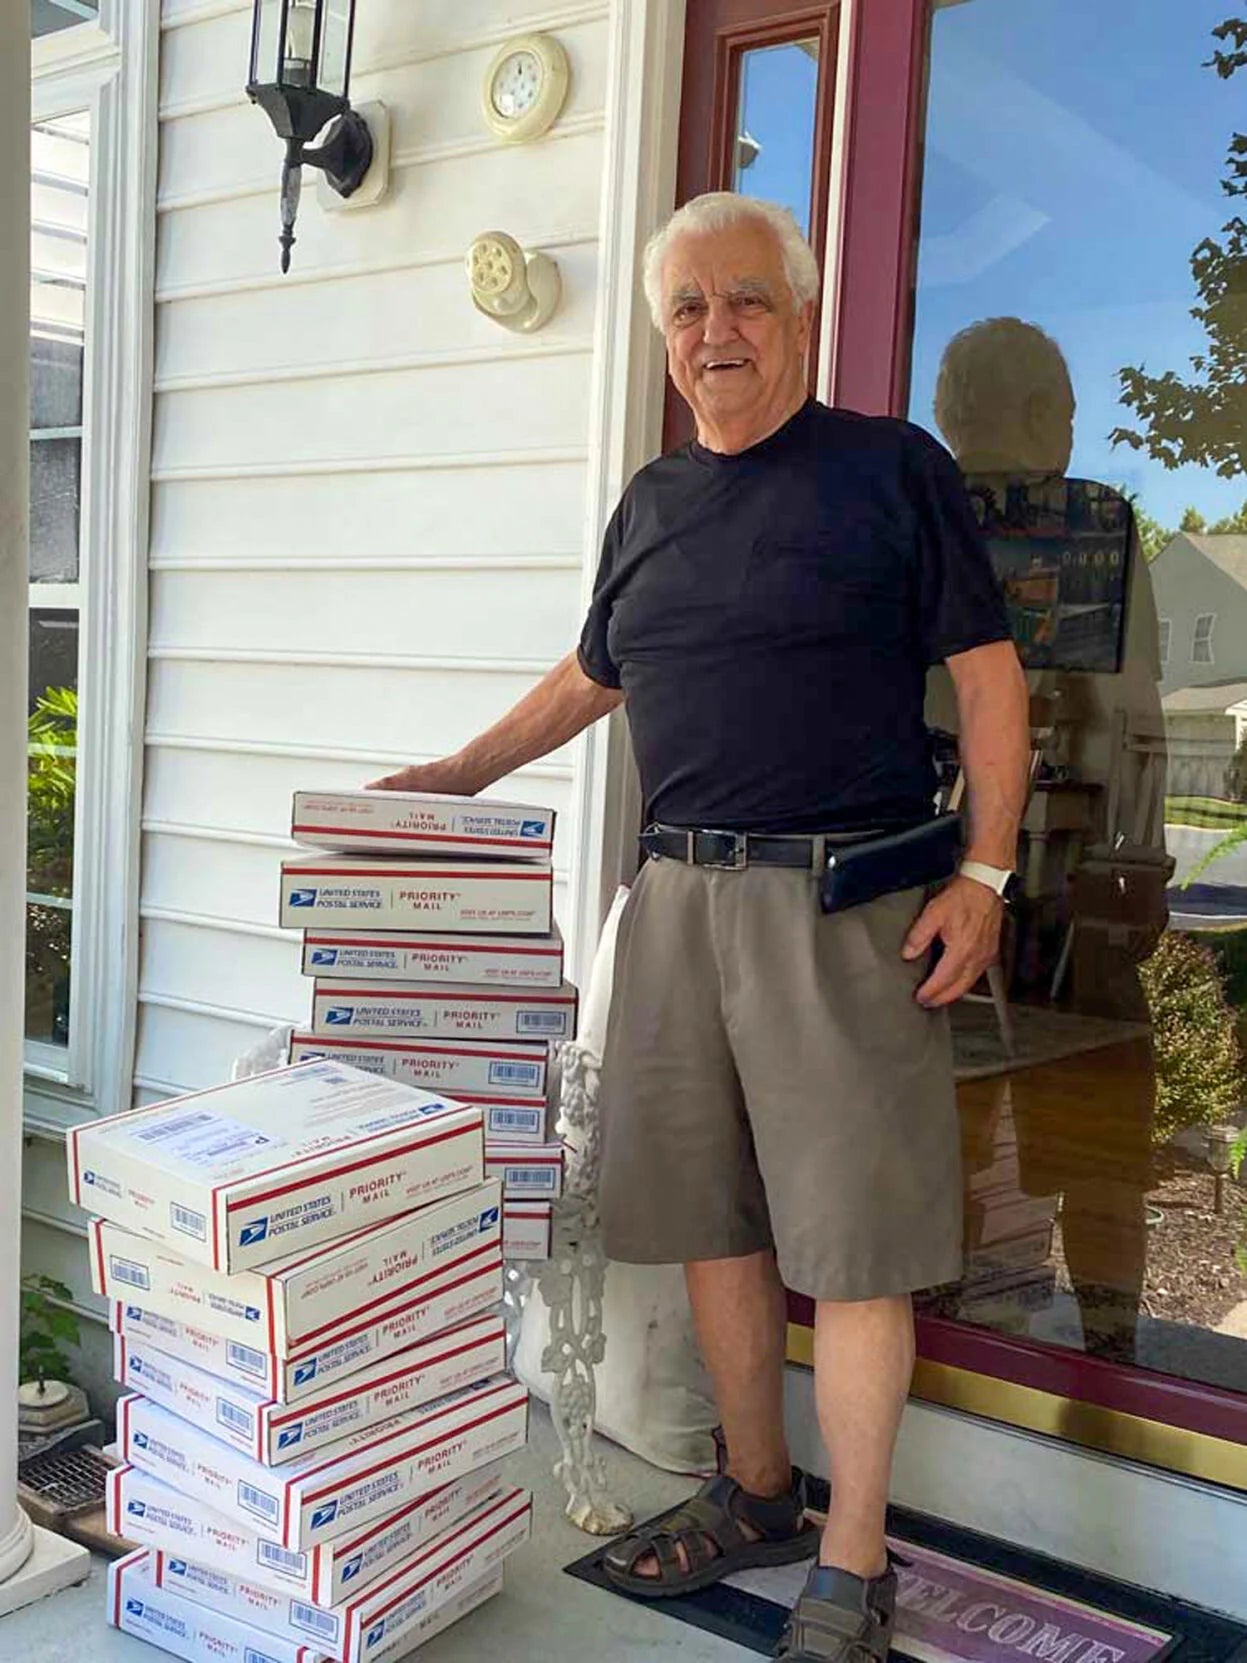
(740, 852)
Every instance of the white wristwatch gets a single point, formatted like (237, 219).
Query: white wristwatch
(998, 879)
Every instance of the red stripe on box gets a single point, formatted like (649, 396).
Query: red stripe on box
(469, 1547)
(399, 1432)
(404, 938)
(317, 1178)
(297, 1413)
(73, 1150)
(319, 1337)
(438, 1545)
(97, 1231)
(521, 1050)
(343, 1550)
(519, 997)
(430, 837)
(281, 1268)
(272, 1319)
(393, 870)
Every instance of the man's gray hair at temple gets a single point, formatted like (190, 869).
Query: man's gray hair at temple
(717, 211)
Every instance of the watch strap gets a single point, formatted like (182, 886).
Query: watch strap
(996, 878)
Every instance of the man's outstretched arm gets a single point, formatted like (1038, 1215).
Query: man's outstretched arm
(564, 702)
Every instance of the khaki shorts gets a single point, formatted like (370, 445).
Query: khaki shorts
(770, 1081)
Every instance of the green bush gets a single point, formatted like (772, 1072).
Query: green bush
(45, 1326)
(1198, 1070)
(52, 733)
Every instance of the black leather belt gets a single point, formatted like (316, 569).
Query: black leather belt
(735, 850)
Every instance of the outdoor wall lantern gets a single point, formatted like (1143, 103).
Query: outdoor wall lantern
(300, 75)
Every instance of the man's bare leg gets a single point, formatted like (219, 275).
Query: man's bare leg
(863, 1361)
(741, 1322)
(741, 1319)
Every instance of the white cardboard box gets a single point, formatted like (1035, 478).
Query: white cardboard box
(413, 822)
(304, 1297)
(527, 1230)
(176, 1625)
(275, 1433)
(526, 1174)
(144, 1509)
(244, 1174)
(379, 891)
(354, 1630)
(360, 1477)
(480, 1068)
(412, 1010)
(515, 1120)
(410, 956)
(442, 1298)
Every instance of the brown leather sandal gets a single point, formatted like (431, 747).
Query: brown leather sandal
(841, 1618)
(708, 1526)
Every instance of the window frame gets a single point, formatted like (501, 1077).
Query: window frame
(1164, 639)
(1209, 618)
(108, 68)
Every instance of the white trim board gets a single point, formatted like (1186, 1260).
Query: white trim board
(1155, 1529)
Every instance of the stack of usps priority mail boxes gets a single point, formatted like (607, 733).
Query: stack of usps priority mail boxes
(428, 926)
(303, 1271)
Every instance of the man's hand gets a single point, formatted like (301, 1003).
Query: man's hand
(447, 778)
(966, 917)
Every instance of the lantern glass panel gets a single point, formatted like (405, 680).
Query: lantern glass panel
(335, 51)
(266, 43)
(299, 65)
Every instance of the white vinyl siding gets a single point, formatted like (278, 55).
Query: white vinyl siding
(369, 503)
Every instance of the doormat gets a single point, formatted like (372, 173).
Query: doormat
(967, 1598)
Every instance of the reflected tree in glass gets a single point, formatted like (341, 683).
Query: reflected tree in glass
(1203, 419)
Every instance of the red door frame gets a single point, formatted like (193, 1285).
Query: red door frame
(881, 194)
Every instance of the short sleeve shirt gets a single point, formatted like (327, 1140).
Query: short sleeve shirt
(770, 617)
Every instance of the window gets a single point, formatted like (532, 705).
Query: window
(1166, 630)
(1201, 642)
(92, 240)
(60, 154)
(47, 17)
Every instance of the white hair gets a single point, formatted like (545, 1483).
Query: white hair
(719, 211)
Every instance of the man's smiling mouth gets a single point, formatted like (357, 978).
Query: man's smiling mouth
(725, 364)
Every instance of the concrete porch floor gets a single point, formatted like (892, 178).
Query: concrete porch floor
(542, 1616)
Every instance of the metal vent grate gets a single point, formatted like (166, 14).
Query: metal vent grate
(71, 1478)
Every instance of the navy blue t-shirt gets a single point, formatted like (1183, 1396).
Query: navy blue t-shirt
(771, 616)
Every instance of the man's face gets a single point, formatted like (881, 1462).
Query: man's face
(735, 342)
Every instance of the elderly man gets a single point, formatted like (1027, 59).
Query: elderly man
(777, 1088)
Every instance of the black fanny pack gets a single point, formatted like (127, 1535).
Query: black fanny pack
(910, 859)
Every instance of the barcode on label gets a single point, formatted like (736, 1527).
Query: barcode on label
(530, 1177)
(229, 1414)
(171, 1128)
(257, 1501)
(124, 1270)
(323, 1623)
(244, 1358)
(511, 1118)
(515, 1073)
(190, 1223)
(543, 1022)
(254, 1656)
(281, 1559)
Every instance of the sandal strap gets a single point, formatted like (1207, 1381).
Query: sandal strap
(824, 1631)
(708, 1526)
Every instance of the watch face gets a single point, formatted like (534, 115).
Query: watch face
(517, 85)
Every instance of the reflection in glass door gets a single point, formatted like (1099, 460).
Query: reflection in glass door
(1079, 345)
(776, 102)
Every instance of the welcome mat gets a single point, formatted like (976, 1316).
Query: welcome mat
(966, 1598)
